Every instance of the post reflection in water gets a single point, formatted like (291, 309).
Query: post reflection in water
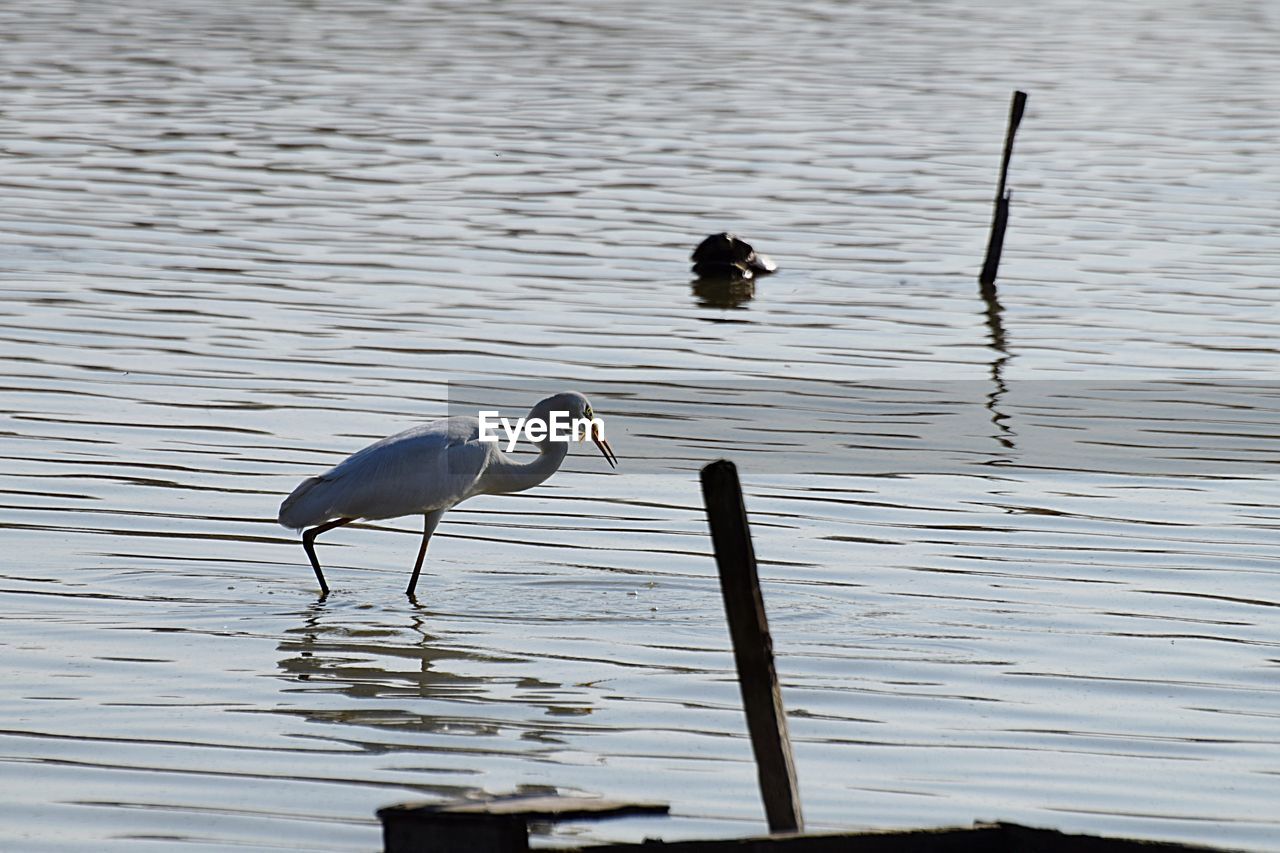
(998, 341)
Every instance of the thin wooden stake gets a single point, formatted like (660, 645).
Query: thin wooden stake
(996, 242)
(752, 646)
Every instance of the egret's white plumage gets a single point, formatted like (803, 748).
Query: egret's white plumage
(425, 470)
(431, 466)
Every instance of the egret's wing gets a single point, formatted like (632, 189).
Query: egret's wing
(427, 467)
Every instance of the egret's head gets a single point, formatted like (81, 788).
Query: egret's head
(579, 411)
(568, 401)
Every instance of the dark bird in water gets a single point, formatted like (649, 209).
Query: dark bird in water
(728, 256)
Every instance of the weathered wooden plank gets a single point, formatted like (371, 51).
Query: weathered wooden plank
(493, 825)
(405, 831)
(980, 838)
(540, 807)
(752, 646)
(951, 840)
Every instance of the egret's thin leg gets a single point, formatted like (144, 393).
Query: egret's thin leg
(308, 540)
(427, 527)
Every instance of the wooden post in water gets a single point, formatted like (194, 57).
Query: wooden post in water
(995, 244)
(752, 646)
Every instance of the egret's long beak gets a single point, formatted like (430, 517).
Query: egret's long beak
(605, 449)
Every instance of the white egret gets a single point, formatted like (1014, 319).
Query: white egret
(427, 469)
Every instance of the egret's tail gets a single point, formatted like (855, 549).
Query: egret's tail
(306, 507)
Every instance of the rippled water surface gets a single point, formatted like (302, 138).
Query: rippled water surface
(1027, 572)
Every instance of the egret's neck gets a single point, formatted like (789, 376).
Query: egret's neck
(506, 475)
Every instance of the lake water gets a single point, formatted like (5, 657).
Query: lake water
(1020, 563)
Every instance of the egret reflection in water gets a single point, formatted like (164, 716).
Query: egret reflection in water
(405, 677)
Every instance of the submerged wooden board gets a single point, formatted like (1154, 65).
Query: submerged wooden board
(980, 838)
(493, 825)
(535, 808)
(501, 825)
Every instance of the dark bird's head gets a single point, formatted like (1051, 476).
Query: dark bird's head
(726, 255)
